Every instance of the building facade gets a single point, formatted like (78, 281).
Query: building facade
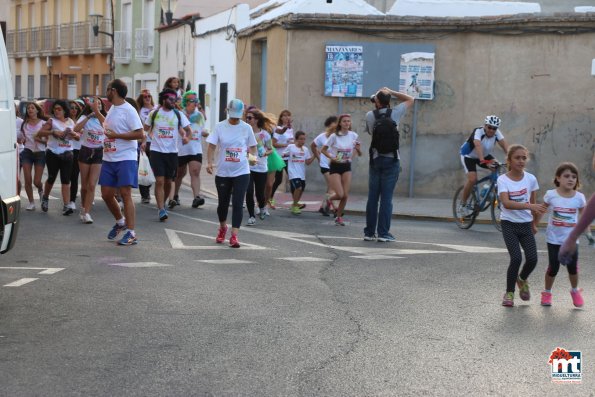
(53, 49)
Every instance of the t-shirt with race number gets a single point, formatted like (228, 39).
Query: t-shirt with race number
(121, 119)
(520, 192)
(341, 146)
(233, 142)
(563, 215)
(93, 135)
(60, 145)
(166, 130)
(296, 161)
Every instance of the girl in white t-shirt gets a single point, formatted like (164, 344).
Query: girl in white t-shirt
(340, 148)
(565, 205)
(33, 154)
(146, 105)
(330, 125)
(282, 137)
(517, 191)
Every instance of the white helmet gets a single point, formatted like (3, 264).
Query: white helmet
(494, 121)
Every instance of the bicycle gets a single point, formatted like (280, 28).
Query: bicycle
(480, 199)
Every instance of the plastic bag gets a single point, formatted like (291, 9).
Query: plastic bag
(145, 173)
(275, 162)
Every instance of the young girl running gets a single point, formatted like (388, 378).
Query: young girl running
(33, 154)
(330, 125)
(282, 137)
(517, 190)
(565, 205)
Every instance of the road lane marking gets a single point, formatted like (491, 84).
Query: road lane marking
(224, 261)
(140, 264)
(305, 259)
(45, 270)
(177, 243)
(21, 282)
(376, 257)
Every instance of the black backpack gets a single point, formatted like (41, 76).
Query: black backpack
(385, 135)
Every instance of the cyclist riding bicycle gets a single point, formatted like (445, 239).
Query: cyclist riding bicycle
(478, 151)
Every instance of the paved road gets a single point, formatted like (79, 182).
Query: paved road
(303, 308)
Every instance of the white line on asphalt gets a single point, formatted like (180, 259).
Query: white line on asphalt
(177, 243)
(140, 264)
(376, 257)
(305, 259)
(224, 261)
(20, 282)
(45, 270)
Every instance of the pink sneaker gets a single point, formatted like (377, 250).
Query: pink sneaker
(508, 299)
(233, 241)
(221, 235)
(577, 298)
(523, 289)
(546, 298)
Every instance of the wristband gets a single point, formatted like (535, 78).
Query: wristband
(484, 161)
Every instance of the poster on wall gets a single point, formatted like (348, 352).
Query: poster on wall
(417, 75)
(344, 71)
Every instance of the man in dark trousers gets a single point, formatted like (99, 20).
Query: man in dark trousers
(384, 164)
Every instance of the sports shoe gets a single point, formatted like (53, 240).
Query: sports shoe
(82, 216)
(339, 221)
(577, 298)
(66, 210)
(221, 235)
(162, 214)
(295, 210)
(369, 238)
(87, 219)
(251, 221)
(44, 204)
(301, 206)
(523, 289)
(389, 238)
(115, 231)
(171, 204)
(262, 213)
(272, 204)
(265, 212)
(31, 207)
(145, 200)
(546, 298)
(233, 241)
(323, 211)
(128, 239)
(256, 211)
(72, 205)
(508, 299)
(197, 202)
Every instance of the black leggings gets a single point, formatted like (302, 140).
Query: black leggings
(258, 181)
(278, 179)
(554, 263)
(517, 235)
(58, 163)
(74, 175)
(226, 186)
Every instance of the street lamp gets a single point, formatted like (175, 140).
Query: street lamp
(169, 7)
(95, 22)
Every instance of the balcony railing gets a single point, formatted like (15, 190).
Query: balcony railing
(144, 44)
(72, 38)
(122, 46)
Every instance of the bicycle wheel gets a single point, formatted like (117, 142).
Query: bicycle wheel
(464, 221)
(495, 211)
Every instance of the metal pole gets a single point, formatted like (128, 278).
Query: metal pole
(413, 142)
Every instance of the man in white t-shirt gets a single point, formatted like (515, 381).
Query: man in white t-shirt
(165, 125)
(119, 169)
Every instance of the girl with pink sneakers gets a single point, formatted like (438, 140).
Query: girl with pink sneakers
(565, 205)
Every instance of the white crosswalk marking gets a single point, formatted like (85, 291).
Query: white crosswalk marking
(224, 261)
(305, 259)
(20, 282)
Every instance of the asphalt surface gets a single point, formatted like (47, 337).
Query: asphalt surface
(303, 308)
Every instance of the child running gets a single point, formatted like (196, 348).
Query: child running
(298, 157)
(565, 205)
(517, 190)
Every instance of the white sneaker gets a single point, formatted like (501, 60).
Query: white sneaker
(87, 219)
(82, 216)
(266, 212)
(31, 207)
(251, 221)
(256, 211)
(72, 205)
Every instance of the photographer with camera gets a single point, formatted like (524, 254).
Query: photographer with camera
(382, 123)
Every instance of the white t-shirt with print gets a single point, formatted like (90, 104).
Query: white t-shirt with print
(121, 119)
(283, 138)
(520, 192)
(29, 132)
(296, 161)
(487, 144)
(233, 142)
(166, 130)
(197, 124)
(320, 141)
(341, 147)
(563, 215)
(60, 145)
(263, 142)
(92, 134)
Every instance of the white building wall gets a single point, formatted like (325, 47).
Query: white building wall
(216, 56)
(176, 55)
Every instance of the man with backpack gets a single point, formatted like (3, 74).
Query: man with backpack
(477, 151)
(382, 124)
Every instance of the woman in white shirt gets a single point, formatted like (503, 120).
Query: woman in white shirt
(330, 125)
(33, 154)
(146, 105)
(282, 137)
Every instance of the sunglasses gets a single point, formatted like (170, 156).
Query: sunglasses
(171, 97)
(192, 100)
(249, 118)
(491, 127)
(147, 96)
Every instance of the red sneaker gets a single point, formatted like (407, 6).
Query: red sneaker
(233, 241)
(221, 235)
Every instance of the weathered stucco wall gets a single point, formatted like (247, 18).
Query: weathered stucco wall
(539, 84)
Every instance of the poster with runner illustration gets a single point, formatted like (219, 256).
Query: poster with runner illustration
(417, 75)
(344, 71)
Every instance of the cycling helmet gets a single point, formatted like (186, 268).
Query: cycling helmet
(494, 121)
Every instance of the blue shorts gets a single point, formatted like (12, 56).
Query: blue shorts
(119, 173)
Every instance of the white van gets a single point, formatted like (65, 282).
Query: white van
(10, 202)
